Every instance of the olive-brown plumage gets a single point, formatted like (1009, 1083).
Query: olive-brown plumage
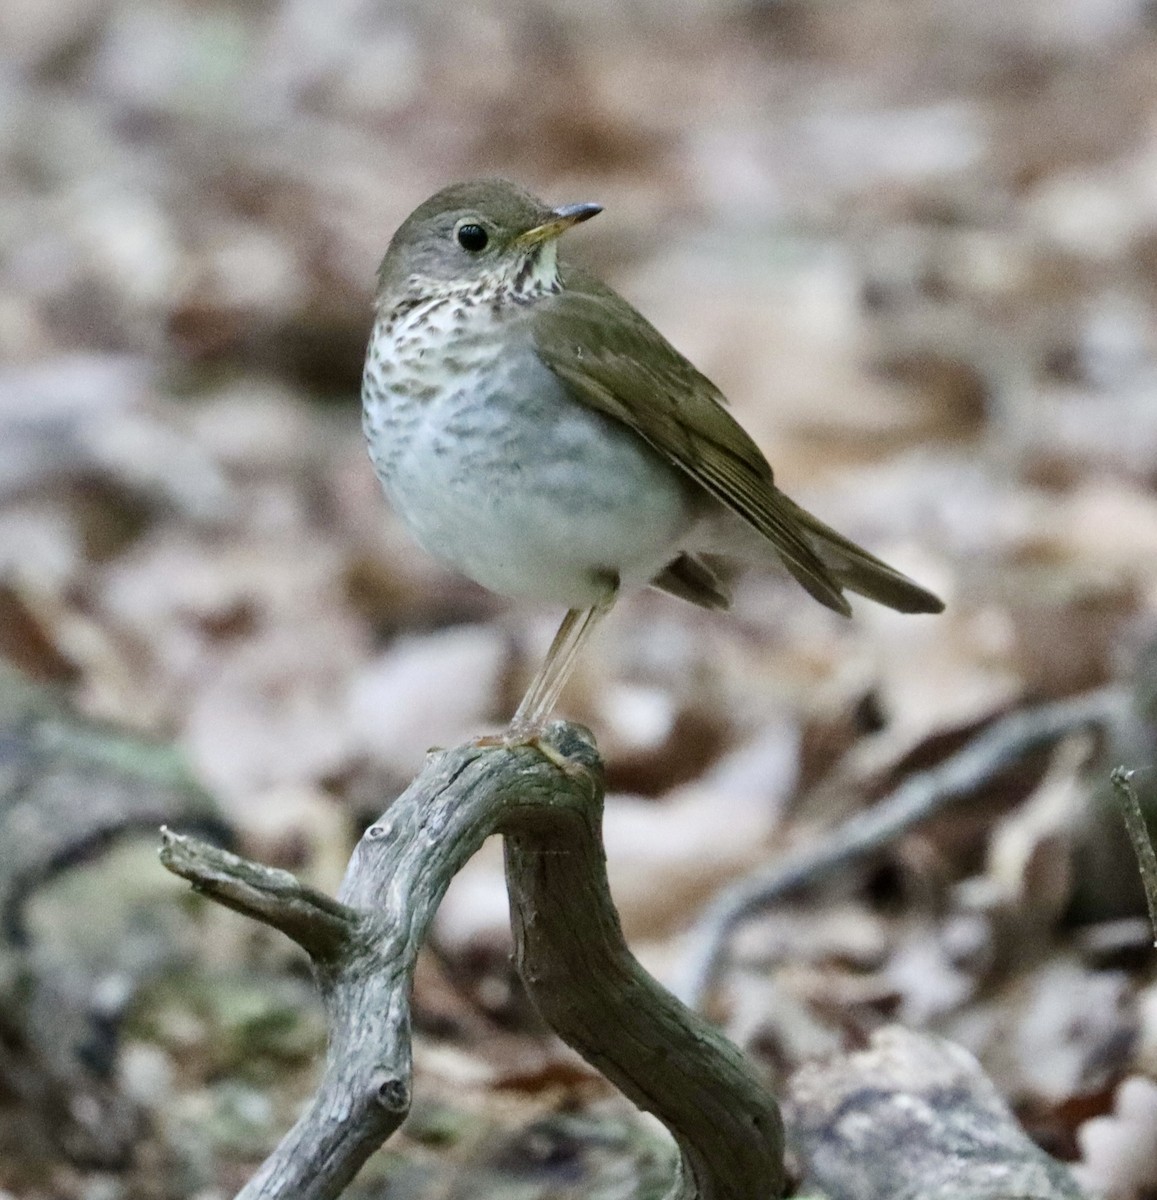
(537, 432)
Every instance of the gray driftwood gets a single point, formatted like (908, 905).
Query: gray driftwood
(570, 952)
(68, 788)
(914, 1117)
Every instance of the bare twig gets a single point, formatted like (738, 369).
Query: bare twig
(1122, 781)
(320, 925)
(918, 799)
(570, 951)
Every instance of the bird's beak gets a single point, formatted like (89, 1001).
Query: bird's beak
(559, 221)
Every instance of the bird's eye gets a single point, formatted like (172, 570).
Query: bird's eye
(472, 238)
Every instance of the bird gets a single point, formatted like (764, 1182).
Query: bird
(537, 433)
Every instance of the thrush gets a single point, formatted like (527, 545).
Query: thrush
(538, 434)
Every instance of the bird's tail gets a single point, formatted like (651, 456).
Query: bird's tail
(855, 569)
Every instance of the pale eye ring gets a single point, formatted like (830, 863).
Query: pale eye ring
(471, 236)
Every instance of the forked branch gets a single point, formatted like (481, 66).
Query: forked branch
(570, 952)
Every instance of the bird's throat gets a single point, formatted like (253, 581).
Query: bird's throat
(537, 274)
(518, 279)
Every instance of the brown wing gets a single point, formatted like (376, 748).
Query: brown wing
(637, 377)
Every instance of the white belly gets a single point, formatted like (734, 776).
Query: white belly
(514, 483)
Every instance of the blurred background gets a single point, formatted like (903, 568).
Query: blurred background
(916, 245)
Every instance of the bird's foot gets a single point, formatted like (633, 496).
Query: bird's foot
(533, 734)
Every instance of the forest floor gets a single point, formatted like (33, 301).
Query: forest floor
(915, 245)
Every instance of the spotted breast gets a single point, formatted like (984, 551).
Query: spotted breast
(494, 467)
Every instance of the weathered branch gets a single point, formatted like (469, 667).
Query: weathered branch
(590, 989)
(321, 926)
(570, 951)
(917, 800)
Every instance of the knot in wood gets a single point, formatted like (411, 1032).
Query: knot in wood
(391, 1092)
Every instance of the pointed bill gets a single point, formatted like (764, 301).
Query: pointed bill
(559, 221)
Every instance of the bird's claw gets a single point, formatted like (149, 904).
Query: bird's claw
(535, 737)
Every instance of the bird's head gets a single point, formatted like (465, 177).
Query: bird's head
(487, 234)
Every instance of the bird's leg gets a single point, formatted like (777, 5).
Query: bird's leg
(547, 685)
(533, 713)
